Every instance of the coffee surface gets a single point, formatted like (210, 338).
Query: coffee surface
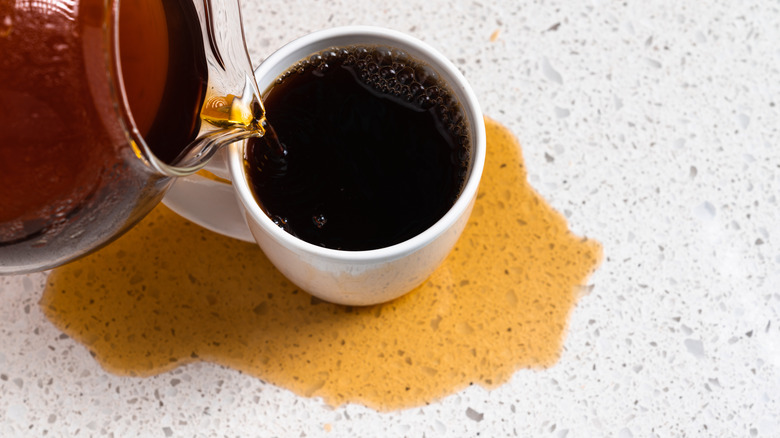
(375, 149)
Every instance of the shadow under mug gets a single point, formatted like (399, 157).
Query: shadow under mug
(369, 276)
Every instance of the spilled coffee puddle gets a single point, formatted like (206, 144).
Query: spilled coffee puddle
(170, 293)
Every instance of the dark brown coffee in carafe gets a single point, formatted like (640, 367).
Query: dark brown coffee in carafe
(164, 72)
(66, 171)
(376, 149)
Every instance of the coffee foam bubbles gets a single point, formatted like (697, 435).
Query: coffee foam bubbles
(392, 72)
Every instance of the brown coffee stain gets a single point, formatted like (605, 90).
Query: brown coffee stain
(170, 293)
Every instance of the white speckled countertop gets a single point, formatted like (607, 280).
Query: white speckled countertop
(652, 126)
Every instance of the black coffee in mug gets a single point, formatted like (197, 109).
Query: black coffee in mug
(375, 149)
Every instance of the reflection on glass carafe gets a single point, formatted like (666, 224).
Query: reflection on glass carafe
(101, 104)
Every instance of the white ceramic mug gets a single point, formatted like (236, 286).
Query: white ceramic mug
(356, 277)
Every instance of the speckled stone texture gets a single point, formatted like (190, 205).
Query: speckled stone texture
(652, 126)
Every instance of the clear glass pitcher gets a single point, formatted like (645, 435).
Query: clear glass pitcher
(101, 105)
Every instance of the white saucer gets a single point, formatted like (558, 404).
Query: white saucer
(210, 204)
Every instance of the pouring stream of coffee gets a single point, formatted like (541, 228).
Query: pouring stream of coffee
(230, 115)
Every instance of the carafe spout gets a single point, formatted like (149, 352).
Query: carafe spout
(232, 109)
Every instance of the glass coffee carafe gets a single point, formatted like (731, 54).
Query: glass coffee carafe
(102, 102)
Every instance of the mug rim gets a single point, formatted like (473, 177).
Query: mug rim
(456, 81)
